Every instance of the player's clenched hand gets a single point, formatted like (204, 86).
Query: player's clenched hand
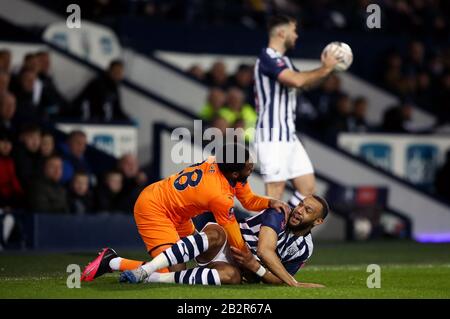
(245, 259)
(280, 206)
(329, 60)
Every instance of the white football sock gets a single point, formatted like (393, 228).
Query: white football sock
(114, 263)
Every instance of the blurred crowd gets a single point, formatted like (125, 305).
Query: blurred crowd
(324, 111)
(38, 174)
(421, 17)
(420, 76)
(31, 96)
(39, 170)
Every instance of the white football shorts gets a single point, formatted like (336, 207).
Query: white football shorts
(224, 254)
(282, 161)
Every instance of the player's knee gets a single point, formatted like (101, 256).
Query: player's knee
(216, 235)
(230, 275)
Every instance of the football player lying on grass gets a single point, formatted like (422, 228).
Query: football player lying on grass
(276, 251)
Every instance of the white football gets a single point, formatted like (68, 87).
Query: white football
(362, 228)
(342, 52)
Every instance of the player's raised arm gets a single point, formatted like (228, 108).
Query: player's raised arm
(254, 202)
(297, 79)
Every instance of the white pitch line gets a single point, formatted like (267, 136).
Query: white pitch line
(306, 268)
(27, 278)
(364, 266)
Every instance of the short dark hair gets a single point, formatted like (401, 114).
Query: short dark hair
(29, 56)
(46, 133)
(359, 100)
(51, 158)
(278, 20)
(109, 173)
(30, 128)
(43, 52)
(116, 62)
(75, 133)
(5, 136)
(229, 157)
(323, 202)
(80, 172)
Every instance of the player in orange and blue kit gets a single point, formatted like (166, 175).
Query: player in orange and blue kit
(163, 211)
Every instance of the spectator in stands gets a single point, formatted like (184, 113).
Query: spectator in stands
(424, 94)
(324, 97)
(397, 118)
(216, 100)
(5, 79)
(54, 103)
(196, 72)
(357, 121)
(47, 145)
(7, 112)
(441, 99)
(243, 79)
(134, 179)
(27, 156)
(339, 120)
(74, 155)
(415, 61)
(220, 123)
(27, 103)
(217, 75)
(392, 75)
(47, 195)
(100, 100)
(10, 188)
(442, 179)
(109, 196)
(81, 200)
(5, 60)
(236, 108)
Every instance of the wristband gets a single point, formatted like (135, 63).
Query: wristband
(261, 271)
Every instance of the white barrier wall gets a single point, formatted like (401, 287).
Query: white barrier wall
(167, 83)
(92, 42)
(26, 13)
(414, 157)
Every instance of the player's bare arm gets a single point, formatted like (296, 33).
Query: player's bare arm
(267, 247)
(245, 259)
(254, 202)
(299, 80)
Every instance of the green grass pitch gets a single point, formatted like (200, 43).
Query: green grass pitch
(408, 270)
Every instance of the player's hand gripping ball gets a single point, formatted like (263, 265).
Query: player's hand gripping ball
(343, 54)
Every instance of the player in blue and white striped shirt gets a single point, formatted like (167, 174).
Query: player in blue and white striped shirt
(280, 154)
(282, 246)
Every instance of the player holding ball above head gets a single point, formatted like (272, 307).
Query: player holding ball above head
(280, 153)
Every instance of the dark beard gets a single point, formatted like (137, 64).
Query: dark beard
(242, 180)
(299, 227)
(289, 46)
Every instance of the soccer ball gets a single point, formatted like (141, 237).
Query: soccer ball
(362, 228)
(342, 52)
